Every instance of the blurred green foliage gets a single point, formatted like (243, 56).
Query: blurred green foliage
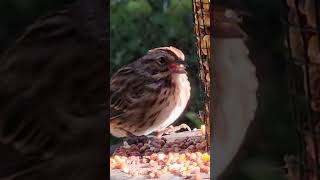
(140, 25)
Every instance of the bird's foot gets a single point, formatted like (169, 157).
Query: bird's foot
(171, 129)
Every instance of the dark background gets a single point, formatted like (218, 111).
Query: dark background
(81, 51)
(16, 15)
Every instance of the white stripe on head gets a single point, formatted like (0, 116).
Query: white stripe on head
(175, 50)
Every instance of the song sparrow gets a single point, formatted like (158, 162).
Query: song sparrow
(149, 94)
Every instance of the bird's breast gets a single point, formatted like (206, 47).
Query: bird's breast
(174, 101)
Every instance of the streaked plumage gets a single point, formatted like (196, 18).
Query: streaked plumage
(148, 94)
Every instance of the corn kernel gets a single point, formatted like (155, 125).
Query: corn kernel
(205, 157)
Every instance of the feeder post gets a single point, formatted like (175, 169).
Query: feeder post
(201, 11)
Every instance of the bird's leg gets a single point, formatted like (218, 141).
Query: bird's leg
(171, 129)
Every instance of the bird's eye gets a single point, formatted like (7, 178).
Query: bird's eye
(161, 60)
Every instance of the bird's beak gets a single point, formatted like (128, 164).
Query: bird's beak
(179, 67)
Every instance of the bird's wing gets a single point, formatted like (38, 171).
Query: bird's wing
(123, 89)
(118, 85)
(128, 87)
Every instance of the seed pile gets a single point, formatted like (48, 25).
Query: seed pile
(182, 157)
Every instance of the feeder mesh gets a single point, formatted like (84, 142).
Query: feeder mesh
(202, 30)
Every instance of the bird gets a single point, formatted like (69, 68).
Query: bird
(235, 102)
(149, 94)
(52, 91)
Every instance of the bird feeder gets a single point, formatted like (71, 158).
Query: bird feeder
(201, 11)
(302, 40)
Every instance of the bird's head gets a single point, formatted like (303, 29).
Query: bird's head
(163, 61)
